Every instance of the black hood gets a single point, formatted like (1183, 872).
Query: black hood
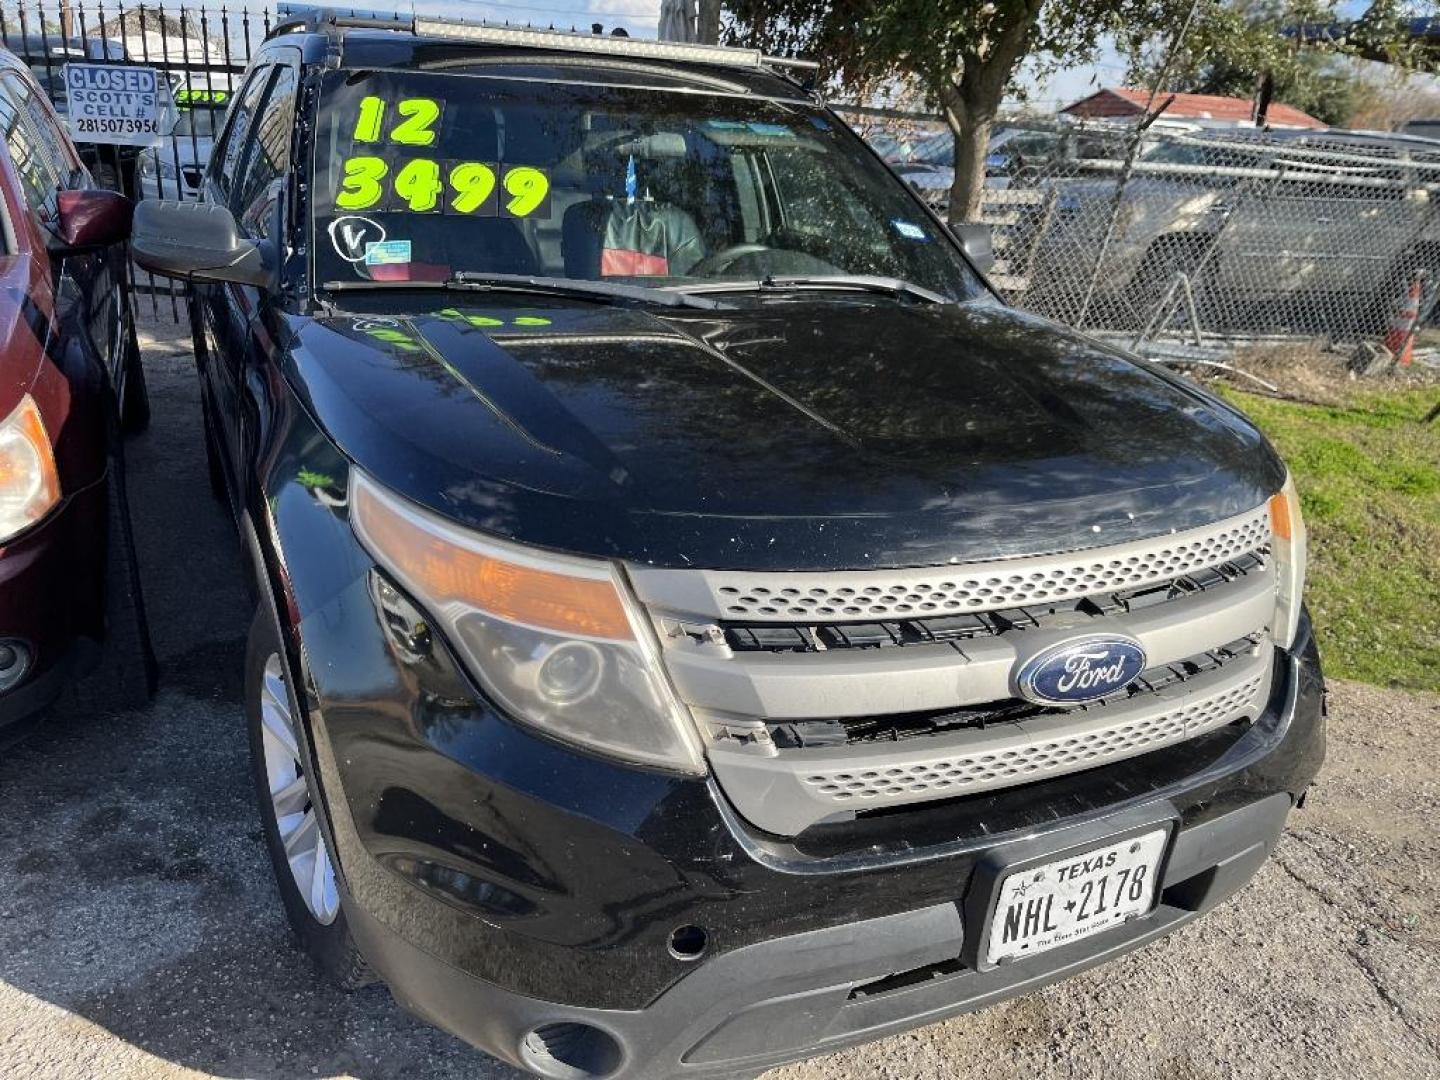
(780, 435)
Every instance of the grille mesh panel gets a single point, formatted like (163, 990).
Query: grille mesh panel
(994, 767)
(985, 587)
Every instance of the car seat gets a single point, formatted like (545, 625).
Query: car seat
(620, 232)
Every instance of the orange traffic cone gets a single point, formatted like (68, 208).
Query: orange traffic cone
(1400, 335)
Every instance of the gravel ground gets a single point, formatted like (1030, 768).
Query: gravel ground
(140, 934)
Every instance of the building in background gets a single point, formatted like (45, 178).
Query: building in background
(1205, 110)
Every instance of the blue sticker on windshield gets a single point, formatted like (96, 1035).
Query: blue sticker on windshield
(387, 252)
(909, 230)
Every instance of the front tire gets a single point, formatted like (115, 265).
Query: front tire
(290, 810)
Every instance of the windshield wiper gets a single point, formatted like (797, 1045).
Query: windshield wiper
(598, 291)
(890, 286)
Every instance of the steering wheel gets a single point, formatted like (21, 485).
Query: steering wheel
(720, 261)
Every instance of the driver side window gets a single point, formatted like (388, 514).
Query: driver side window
(225, 163)
(269, 156)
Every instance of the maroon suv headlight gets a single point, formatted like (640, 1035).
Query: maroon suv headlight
(29, 482)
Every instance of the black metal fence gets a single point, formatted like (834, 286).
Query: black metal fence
(200, 52)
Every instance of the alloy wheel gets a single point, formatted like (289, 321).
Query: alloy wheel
(292, 800)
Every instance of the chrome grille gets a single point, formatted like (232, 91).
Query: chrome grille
(867, 594)
(774, 666)
(997, 766)
(787, 791)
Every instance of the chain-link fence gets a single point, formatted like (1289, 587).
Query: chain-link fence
(1212, 237)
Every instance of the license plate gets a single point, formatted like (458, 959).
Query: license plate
(1044, 907)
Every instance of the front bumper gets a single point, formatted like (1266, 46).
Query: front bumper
(52, 595)
(818, 991)
(522, 895)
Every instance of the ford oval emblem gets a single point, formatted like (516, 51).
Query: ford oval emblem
(1080, 670)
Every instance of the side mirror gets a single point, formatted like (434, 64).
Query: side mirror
(199, 242)
(978, 243)
(90, 219)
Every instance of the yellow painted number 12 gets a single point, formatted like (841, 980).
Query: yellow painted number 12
(416, 126)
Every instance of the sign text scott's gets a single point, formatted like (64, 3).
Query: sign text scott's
(114, 103)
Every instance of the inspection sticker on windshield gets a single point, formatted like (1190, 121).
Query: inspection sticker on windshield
(1045, 907)
(909, 230)
(387, 252)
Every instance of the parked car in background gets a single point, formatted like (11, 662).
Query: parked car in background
(1015, 154)
(1262, 222)
(699, 624)
(172, 170)
(1426, 129)
(72, 621)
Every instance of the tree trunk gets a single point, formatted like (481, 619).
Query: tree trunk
(972, 147)
(1261, 112)
(970, 107)
(971, 102)
(708, 24)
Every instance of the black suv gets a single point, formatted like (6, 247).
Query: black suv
(699, 624)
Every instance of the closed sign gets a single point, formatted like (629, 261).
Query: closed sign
(115, 103)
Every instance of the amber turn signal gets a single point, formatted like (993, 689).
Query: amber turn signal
(433, 556)
(1280, 522)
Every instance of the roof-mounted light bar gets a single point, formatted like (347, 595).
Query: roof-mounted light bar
(603, 45)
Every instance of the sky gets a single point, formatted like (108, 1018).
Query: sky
(641, 17)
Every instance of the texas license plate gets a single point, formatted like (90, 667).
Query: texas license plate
(1044, 907)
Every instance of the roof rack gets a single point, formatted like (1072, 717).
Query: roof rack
(604, 45)
(530, 37)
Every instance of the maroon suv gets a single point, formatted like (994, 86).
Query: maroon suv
(71, 617)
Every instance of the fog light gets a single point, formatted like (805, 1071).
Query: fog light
(570, 1051)
(14, 663)
(570, 672)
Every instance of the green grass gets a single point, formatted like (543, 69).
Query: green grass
(1369, 478)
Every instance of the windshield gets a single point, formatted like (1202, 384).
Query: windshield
(199, 121)
(420, 177)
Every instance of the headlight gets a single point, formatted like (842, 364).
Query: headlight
(555, 640)
(1287, 537)
(29, 484)
(150, 165)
